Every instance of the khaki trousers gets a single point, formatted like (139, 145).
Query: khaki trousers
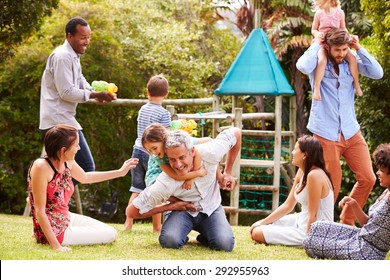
(357, 156)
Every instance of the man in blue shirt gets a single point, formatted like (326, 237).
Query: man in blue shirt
(333, 120)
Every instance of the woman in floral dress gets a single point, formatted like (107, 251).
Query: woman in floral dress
(332, 240)
(50, 189)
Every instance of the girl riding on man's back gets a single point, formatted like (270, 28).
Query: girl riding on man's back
(328, 15)
(153, 140)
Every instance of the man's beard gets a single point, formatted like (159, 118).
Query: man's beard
(338, 59)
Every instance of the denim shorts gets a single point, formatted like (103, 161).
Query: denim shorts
(138, 173)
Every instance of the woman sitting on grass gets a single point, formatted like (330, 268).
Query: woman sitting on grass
(312, 189)
(370, 242)
(50, 188)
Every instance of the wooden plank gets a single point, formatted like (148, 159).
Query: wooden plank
(258, 163)
(227, 116)
(267, 188)
(140, 102)
(230, 210)
(266, 133)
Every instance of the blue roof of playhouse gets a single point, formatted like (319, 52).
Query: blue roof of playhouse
(256, 70)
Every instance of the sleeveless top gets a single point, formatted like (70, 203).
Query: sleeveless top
(58, 194)
(327, 21)
(325, 209)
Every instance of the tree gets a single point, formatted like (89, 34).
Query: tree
(20, 19)
(373, 108)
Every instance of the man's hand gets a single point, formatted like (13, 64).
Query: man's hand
(182, 206)
(354, 42)
(228, 183)
(103, 96)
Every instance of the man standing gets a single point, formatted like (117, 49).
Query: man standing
(333, 120)
(204, 212)
(63, 86)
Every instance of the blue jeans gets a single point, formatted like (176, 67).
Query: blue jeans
(138, 173)
(215, 231)
(84, 156)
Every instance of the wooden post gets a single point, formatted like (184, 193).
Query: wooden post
(171, 109)
(235, 193)
(293, 121)
(277, 151)
(215, 121)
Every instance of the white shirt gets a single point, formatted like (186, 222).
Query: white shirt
(205, 193)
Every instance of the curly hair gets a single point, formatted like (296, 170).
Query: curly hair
(71, 26)
(381, 157)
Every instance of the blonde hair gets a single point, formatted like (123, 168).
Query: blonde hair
(326, 4)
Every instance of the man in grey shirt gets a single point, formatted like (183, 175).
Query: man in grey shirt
(63, 86)
(200, 207)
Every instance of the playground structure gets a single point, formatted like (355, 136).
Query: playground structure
(257, 72)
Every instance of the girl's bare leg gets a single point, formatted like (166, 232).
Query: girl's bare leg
(353, 68)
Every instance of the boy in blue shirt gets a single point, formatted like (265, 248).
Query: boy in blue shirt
(151, 112)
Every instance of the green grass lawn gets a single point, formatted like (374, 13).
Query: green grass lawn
(17, 243)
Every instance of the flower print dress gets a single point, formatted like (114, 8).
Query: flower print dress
(338, 241)
(59, 191)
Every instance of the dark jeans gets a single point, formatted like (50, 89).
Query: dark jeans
(84, 156)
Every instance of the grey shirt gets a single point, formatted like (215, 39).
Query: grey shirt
(63, 86)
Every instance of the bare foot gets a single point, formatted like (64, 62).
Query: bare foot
(128, 224)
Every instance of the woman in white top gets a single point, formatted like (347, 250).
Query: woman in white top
(312, 189)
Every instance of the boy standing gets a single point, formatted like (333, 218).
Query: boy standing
(151, 112)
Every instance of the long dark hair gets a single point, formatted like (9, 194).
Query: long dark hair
(154, 132)
(57, 137)
(314, 156)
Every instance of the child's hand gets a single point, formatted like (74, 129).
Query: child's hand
(187, 185)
